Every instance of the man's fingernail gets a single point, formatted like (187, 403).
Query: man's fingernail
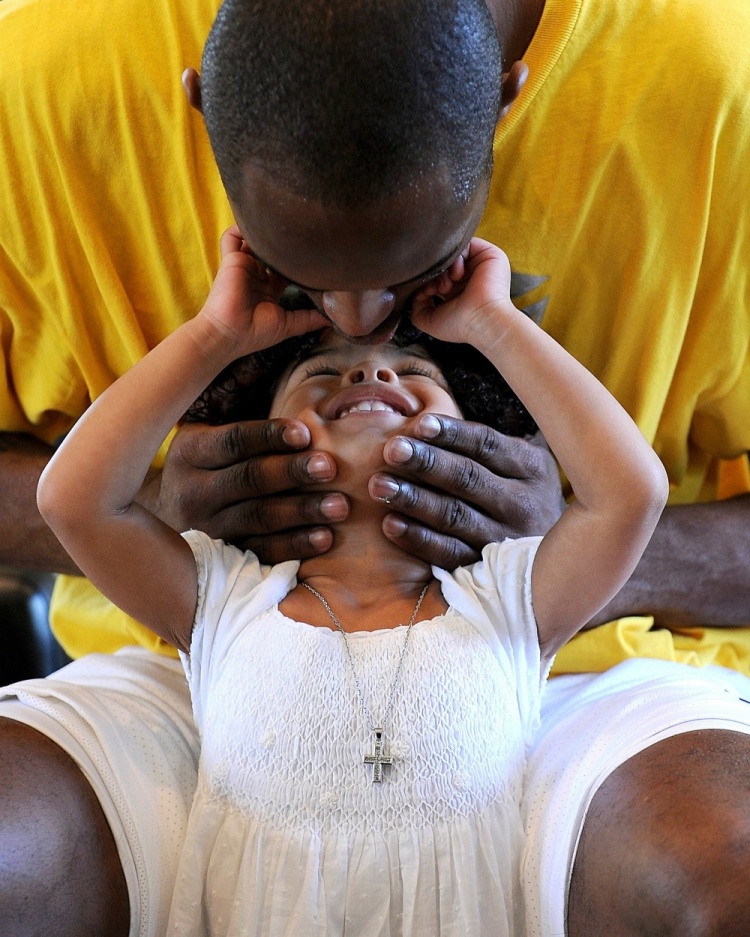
(334, 507)
(393, 525)
(320, 538)
(318, 466)
(294, 435)
(384, 488)
(429, 427)
(400, 450)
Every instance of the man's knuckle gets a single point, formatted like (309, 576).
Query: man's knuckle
(458, 553)
(471, 479)
(185, 448)
(233, 442)
(523, 512)
(455, 515)
(488, 444)
(240, 480)
(534, 463)
(425, 458)
(269, 434)
(410, 497)
(255, 516)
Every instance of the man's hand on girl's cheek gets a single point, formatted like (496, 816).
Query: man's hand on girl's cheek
(240, 483)
(457, 486)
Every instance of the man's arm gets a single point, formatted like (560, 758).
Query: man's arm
(25, 539)
(695, 571)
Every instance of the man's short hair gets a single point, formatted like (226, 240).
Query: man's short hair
(351, 101)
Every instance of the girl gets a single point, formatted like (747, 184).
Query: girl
(364, 718)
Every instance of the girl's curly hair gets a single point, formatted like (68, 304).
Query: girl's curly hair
(245, 389)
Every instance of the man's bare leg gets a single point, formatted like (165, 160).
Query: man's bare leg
(59, 868)
(665, 848)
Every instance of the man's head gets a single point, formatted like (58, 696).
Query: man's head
(349, 102)
(355, 141)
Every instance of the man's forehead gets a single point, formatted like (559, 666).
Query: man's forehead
(321, 247)
(432, 270)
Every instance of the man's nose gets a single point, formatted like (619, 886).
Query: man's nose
(360, 313)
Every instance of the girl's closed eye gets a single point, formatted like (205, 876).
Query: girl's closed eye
(319, 370)
(420, 370)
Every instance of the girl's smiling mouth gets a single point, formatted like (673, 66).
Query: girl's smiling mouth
(370, 397)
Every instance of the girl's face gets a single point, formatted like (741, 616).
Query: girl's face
(349, 395)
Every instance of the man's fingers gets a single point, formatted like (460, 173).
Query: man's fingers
(430, 546)
(211, 447)
(278, 516)
(269, 475)
(290, 545)
(446, 516)
(447, 472)
(509, 456)
(451, 502)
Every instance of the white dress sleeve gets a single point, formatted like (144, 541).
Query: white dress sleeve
(233, 589)
(494, 594)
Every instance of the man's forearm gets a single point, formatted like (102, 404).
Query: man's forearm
(695, 571)
(25, 540)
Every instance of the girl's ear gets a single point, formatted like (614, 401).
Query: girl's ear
(513, 82)
(191, 82)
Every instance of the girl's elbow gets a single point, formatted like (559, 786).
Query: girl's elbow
(54, 499)
(652, 489)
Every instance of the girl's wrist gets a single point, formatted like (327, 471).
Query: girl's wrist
(217, 344)
(490, 323)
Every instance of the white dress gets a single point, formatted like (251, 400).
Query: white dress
(288, 835)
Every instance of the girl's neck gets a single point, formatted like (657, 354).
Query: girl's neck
(368, 581)
(362, 564)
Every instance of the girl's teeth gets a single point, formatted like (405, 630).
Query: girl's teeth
(366, 406)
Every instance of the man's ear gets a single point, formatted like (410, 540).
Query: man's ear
(191, 82)
(513, 82)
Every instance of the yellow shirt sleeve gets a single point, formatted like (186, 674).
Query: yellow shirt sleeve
(621, 194)
(110, 221)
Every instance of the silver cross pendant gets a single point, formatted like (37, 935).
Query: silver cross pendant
(377, 759)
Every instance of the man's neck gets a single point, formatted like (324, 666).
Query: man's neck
(516, 22)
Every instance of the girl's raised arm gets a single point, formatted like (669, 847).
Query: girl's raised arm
(87, 492)
(620, 485)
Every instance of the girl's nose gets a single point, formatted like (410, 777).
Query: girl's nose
(358, 314)
(369, 371)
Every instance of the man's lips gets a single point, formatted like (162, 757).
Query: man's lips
(381, 397)
(378, 336)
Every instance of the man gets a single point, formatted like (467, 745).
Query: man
(582, 200)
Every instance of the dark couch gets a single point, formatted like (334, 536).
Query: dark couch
(27, 646)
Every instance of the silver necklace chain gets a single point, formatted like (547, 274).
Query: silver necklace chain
(394, 685)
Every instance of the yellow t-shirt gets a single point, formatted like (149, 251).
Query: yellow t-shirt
(110, 219)
(620, 194)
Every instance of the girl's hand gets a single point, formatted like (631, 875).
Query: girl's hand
(474, 289)
(243, 302)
